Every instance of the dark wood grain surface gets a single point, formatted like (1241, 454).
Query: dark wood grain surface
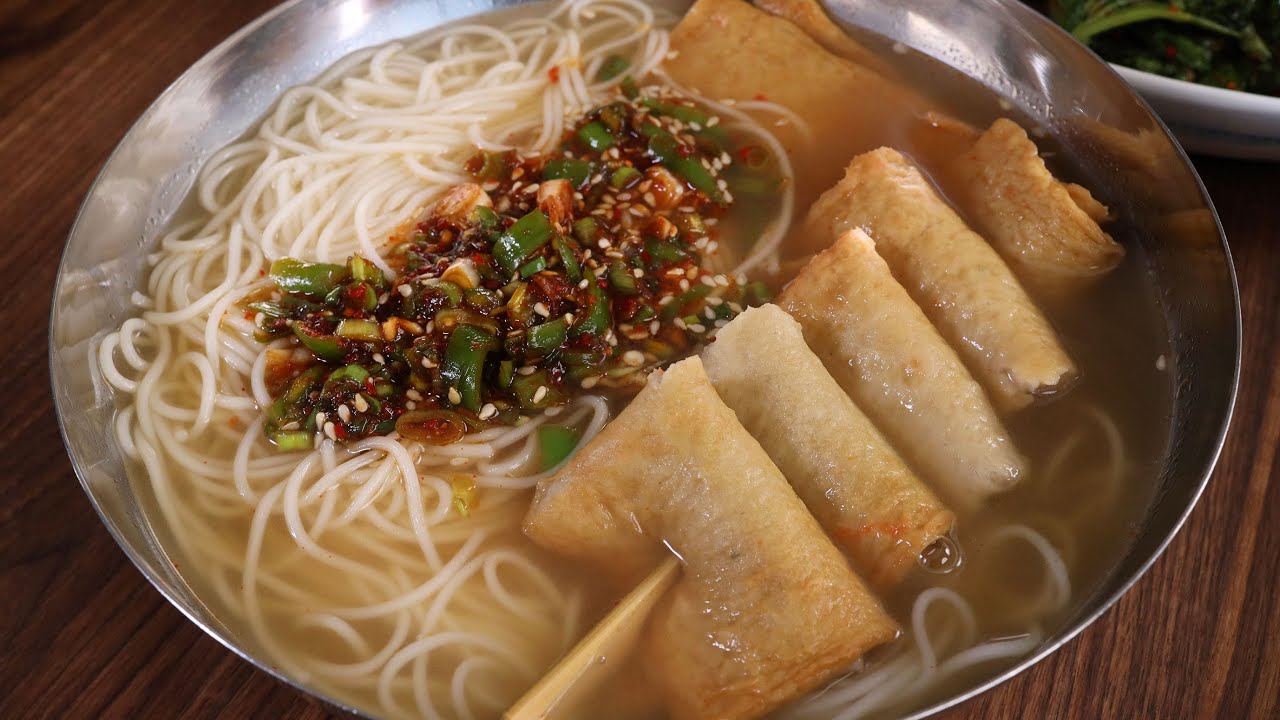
(83, 635)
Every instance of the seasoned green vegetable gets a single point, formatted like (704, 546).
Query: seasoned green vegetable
(1227, 43)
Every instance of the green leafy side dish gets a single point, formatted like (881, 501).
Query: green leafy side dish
(1225, 43)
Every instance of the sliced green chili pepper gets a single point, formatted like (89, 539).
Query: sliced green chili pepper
(295, 276)
(484, 217)
(325, 347)
(645, 313)
(585, 230)
(555, 444)
(666, 149)
(361, 296)
(464, 360)
(629, 87)
(529, 393)
(533, 267)
(451, 318)
(624, 176)
(683, 113)
(367, 330)
(519, 307)
(598, 317)
(691, 225)
(451, 292)
(493, 167)
(663, 252)
(486, 301)
(575, 171)
(348, 372)
(673, 309)
(621, 278)
(364, 271)
(548, 336)
(521, 240)
(596, 136)
(506, 371)
(572, 269)
(612, 67)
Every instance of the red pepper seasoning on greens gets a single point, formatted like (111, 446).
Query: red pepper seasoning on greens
(544, 278)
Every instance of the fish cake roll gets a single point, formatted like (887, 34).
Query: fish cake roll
(766, 608)
(879, 346)
(953, 275)
(845, 471)
(1046, 230)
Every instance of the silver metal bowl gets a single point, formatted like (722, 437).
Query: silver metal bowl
(1086, 108)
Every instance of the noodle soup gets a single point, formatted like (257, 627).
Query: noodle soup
(393, 574)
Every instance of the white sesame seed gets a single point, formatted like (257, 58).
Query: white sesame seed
(637, 210)
(665, 300)
(590, 382)
(673, 54)
(541, 310)
(259, 319)
(679, 322)
(1161, 363)
(604, 243)
(413, 394)
(713, 301)
(531, 189)
(553, 411)
(344, 412)
(540, 393)
(290, 425)
(698, 328)
(582, 284)
(568, 318)
(692, 273)
(404, 290)
(709, 313)
(712, 246)
(383, 298)
(330, 431)
(722, 184)
(426, 363)
(684, 285)
(411, 405)
(649, 198)
(713, 121)
(735, 307)
(676, 272)
(710, 222)
(377, 357)
(320, 418)
(361, 404)
(488, 411)
(638, 272)
(634, 358)
(526, 370)
(708, 280)
(728, 196)
(654, 327)
(624, 196)
(722, 281)
(721, 323)
(455, 397)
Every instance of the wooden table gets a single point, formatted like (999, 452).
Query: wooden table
(83, 635)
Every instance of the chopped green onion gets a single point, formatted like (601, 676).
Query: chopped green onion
(295, 276)
(596, 136)
(533, 267)
(548, 336)
(448, 319)
(624, 176)
(287, 441)
(521, 240)
(464, 361)
(683, 113)
(555, 444)
(452, 292)
(519, 306)
(663, 252)
(613, 66)
(673, 309)
(359, 330)
(484, 217)
(485, 301)
(629, 87)
(348, 372)
(644, 313)
(576, 172)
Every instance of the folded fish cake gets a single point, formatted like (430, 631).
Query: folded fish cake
(960, 282)
(767, 608)
(859, 489)
(879, 346)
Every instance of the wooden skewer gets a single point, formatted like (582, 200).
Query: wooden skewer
(593, 659)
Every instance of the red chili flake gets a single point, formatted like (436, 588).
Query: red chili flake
(554, 73)
(370, 387)
(1174, 8)
(1231, 85)
(1170, 51)
(262, 273)
(761, 97)
(248, 314)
